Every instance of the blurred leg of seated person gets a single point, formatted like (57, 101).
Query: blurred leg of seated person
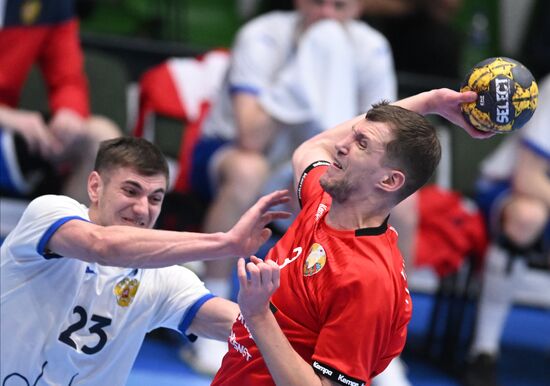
(34, 160)
(514, 194)
(523, 222)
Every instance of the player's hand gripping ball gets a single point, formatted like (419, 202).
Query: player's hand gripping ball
(507, 95)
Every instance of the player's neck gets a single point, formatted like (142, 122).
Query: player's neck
(347, 216)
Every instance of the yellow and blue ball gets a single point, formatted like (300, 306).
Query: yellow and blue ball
(507, 95)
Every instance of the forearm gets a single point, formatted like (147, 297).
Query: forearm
(421, 103)
(285, 365)
(138, 248)
(215, 319)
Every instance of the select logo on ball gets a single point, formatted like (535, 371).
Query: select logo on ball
(503, 96)
(507, 95)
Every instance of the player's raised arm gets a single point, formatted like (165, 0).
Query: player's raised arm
(446, 103)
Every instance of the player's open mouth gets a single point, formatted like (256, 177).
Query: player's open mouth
(337, 165)
(133, 222)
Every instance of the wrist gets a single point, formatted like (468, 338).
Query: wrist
(257, 318)
(430, 106)
(230, 242)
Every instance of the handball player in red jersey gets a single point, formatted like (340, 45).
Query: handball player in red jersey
(330, 304)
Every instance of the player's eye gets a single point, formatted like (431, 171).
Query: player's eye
(156, 200)
(129, 191)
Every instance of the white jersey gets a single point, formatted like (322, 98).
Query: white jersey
(68, 322)
(535, 135)
(268, 44)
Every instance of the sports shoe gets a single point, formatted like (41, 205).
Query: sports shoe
(204, 356)
(481, 371)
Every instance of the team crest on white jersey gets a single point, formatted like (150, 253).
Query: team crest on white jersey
(315, 260)
(125, 291)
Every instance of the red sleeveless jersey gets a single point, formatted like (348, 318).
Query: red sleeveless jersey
(343, 301)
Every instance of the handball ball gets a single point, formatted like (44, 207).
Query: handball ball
(507, 95)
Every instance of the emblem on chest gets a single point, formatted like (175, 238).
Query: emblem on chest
(315, 260)
(125, 291)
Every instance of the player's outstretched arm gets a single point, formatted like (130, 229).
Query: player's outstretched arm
(446, 103)
(128, 246)
(285, 365)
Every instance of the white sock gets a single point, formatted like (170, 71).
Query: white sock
(495, 301)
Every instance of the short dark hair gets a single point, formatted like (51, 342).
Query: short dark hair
(414, 150)
(136, 153)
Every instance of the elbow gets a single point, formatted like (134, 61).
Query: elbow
(297, 156)
(103, 247)
(99, 248)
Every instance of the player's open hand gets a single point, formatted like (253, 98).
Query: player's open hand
(256, 290)
(250, 232)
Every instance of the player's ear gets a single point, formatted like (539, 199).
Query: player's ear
(94, 186)
(392, 181)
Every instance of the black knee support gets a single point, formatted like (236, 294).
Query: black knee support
(533, 253)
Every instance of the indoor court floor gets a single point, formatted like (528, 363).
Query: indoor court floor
(525, 354)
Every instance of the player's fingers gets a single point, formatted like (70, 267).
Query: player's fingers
(254, 272)
(274, 215)
(271, 199)
(266, 271)
(467, 97)
(255, 259)
(241, 274)
(276, 273)
(265, 235)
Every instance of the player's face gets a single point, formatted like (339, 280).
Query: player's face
(315, 10)
(357, 168)
(125, 197)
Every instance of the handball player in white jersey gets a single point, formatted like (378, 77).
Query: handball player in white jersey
(80, 287)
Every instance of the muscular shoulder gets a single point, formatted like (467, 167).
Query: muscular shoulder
(52, 204)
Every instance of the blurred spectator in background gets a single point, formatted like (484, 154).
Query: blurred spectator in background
(292, 74)
(46, 33)
(514, 193)
(421, 33)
